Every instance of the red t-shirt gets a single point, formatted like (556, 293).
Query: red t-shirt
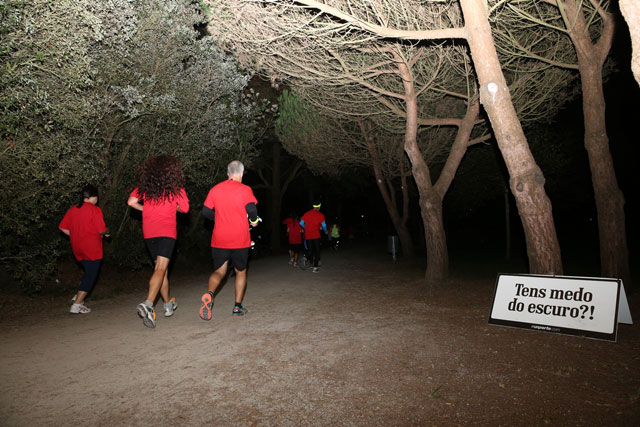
(159, 216)
(294, 230)
(313, 220)
(231, 226)
(84, 225)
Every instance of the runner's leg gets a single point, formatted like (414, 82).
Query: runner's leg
(89, 277)
(241, 284)
(158, 277)
(164, 289)
(315, 251)
(80, 296)
(216, 277)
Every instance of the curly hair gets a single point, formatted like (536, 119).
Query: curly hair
(159, 177)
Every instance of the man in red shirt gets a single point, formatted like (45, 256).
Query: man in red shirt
(229, 204)
(312, 221)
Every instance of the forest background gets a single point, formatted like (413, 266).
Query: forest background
(88, 90)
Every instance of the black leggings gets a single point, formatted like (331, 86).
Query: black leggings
(90, 275)
(314, 251)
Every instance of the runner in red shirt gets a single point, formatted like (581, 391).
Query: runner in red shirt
(228, 205)
(286, 222)
(312, 221)
(159, 195)
(84, 224)
(295, 231)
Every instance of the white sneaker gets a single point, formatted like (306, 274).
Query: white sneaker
(148, 315)
(79, 309)
(169, 307)
(316, 269)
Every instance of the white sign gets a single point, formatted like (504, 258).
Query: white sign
(570, 305)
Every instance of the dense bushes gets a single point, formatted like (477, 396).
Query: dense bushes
(90, 89)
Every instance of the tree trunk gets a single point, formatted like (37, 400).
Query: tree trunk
(507, 225)
(614, 255)
(277, 188)
(433, 204)
(403, 230)
(526, 178)
(430, 202)
(431, 196)
(399, 222)
(276, 200)
(631, 11)
(437, 250)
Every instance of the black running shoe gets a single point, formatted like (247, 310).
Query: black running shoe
(239, 311)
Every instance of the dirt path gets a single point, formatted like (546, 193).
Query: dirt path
(361, 343)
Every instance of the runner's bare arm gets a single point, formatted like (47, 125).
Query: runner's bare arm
(134, 202)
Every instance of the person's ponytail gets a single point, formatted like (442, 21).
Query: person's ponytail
(87, 192)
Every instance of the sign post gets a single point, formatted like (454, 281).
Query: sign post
(584, 306)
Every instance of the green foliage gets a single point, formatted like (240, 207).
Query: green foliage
(297, 126)
(326, 143)
(90, 89)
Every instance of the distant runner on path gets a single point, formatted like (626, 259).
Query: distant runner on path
(286, 223)
(228, 205)
(312, 221)
(294, 230)
(159, 194)
(335, 236)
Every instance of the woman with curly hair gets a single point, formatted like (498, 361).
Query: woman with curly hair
(159, 194)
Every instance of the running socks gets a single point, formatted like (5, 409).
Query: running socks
(238, 304)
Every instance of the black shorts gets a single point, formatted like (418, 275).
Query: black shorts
(239, 258)
(160, 246)
(296, 247)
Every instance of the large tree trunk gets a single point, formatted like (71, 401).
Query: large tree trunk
(631, 11)
(430, 202)
(434, 201)
(526, 178)
(437, 250)
(614, 255)
(431, 196)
